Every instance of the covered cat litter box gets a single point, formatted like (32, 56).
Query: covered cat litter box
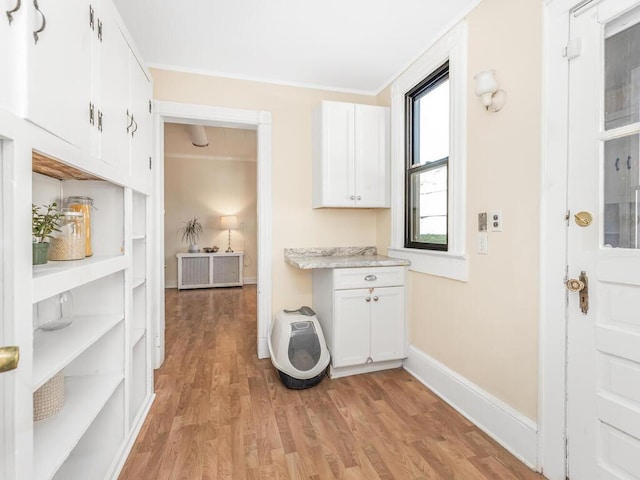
(297, 348)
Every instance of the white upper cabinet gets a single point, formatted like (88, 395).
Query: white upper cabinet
(350, 155)
(59, 68)
(111, 91)
(141, 132)
(9, 31)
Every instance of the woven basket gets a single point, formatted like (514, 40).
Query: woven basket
(49, 398)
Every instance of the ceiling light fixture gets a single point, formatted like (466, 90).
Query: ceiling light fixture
(198, 136)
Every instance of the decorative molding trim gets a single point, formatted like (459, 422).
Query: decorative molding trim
(508, 427)
(250, 280)
(213, 158)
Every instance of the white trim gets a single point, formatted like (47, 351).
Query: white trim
(441, 264)
(234, 118)
(213, 158)
(250, 281)
(171, 284)
(508, 427)
(453, 47)
(552, 358)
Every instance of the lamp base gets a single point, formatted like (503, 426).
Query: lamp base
(229, 250)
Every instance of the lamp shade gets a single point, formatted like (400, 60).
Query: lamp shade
(229, 222)
(486, 82)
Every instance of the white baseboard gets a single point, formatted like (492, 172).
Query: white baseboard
(171, 284)
(505, 425)
(250, 280)
(263, 348)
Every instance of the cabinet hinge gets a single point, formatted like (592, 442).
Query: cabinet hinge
(100, 30)
(149, 106)
(99, 121)
(567, 217)
(91, 18)
(150, 163)
(572, 50)
(91, 114)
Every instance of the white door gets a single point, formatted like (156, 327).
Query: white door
(603, 348)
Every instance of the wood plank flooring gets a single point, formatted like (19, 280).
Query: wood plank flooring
(220, 413)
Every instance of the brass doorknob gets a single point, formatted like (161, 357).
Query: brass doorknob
(9, 358)
(583, 219)
(574, 285)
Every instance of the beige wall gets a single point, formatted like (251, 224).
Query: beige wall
(487, 328)
(295, 223)
(209, 189)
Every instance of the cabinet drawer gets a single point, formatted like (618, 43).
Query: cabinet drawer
(345, 278)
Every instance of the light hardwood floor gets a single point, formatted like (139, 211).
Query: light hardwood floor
(220, 413)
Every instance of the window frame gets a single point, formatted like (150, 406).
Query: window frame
(453, 263)
(432, 81)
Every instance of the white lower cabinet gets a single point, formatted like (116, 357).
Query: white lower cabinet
(362, 313)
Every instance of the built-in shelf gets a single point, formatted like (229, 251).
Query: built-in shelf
(56, 277)
(138, 237)
(138, 282)
(52, 351)
(80, 466)
(137, 334)
(55, 437)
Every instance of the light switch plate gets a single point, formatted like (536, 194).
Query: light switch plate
(483, 243)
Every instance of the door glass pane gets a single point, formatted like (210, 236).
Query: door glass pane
(621, 192)
(429, 207)
(622, 77)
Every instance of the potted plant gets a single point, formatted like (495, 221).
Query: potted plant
(43, 224)
(190, 232)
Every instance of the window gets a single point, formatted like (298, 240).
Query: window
(429, 166)
(427, 162)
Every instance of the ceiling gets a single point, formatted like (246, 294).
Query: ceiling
(348, 45)
(224, 144)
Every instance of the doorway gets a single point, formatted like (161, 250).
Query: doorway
(258, 121)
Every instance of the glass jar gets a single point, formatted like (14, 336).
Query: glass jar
(68, 243)
(55, 312)
(83, 205)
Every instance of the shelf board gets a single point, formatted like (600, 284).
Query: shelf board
(56, 277)
(142, 236)
(80, 466)
(53, 168)
(138, 282)
(52, 351)
(137, 334)
(55, 437)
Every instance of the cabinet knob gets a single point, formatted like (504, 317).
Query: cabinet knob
(375, 299)
(368, 299)
(353, 197)
(359, 197)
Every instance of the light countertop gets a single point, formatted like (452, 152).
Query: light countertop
(340, 257)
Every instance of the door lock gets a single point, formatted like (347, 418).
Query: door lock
(581, 285)
(9, 358)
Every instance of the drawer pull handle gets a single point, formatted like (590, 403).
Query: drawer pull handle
(370, 278)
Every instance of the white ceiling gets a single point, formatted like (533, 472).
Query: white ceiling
(350, 45)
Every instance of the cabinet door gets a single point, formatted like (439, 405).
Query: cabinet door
(139, 101)
(351, 327)
(336, 187)
(59, 70)
(9, 54)
(387, 324)
(113, 91)
(371, 156)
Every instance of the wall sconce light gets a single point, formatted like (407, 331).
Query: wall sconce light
(229, 222)
(491, 97)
